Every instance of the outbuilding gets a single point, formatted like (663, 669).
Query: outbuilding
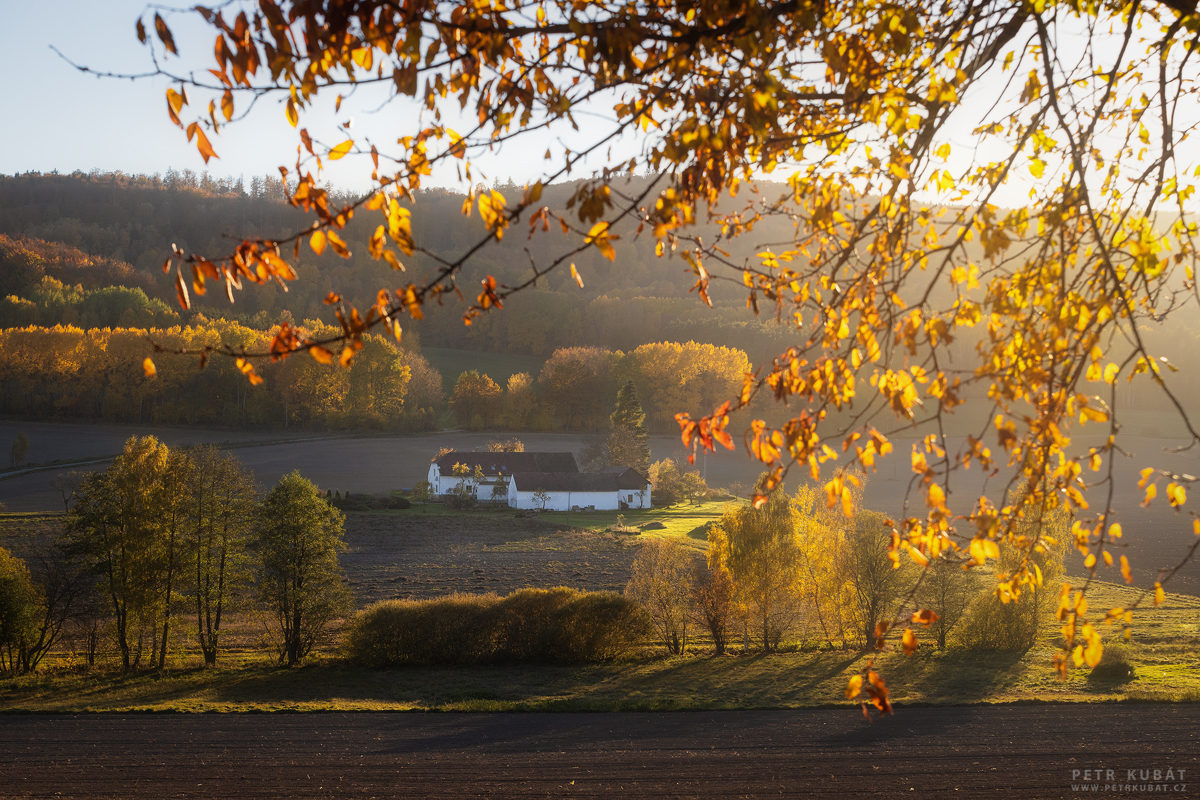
(611, 490)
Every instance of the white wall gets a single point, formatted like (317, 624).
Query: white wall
(562, 501)
(634, 499)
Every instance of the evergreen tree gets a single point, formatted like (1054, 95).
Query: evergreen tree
(629, 441)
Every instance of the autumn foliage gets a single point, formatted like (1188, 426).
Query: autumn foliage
(901, 245)
(98, 374)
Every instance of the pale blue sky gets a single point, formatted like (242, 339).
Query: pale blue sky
(59, 118)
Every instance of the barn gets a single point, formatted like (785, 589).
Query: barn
(613, 489)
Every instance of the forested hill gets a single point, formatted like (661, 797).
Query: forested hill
(120, 220)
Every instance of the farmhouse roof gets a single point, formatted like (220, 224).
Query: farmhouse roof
(509, 463)
(566, 481)
(627, 477)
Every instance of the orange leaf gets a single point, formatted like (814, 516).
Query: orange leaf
(341, 150)
(909, 642)
(181, 291)
(204, 147)
(227, 105)
(148, 368)
(925, 617)
(338, 245)
(321, 354)
(164, 33)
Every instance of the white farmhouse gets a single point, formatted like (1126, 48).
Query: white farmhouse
(615, 488)
(496, 468)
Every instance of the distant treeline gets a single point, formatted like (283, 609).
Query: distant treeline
(65, 371)
(577, 387)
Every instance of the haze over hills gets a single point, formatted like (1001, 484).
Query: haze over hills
(126, 225)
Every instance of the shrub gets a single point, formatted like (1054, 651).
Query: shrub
(442, 631)
(991, 625)
(401, 503)
(530, 625)
(1114, 665)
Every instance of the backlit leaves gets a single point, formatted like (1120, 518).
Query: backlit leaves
(884, 293)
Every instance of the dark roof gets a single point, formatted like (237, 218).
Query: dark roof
(508, 463)
(628, 477)
(565, 481)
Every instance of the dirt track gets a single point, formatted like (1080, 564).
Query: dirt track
(1010, 752)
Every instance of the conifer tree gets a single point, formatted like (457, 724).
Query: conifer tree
(628, 440)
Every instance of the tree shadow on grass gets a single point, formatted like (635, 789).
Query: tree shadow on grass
(959, 676)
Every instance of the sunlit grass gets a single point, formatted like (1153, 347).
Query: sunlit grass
(1165, 669)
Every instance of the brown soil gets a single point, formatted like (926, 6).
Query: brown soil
(997, 751)
(412, 555)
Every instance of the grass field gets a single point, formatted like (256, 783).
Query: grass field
(1164, 672)
(497, 366)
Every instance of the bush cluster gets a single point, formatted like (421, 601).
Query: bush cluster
(560, 625)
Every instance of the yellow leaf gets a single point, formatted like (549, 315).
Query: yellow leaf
(322, 355)
(1037, 167)
(1160, 596)
(293, 115)
(982, 549)
(317, 242)
(148, 368)
(175, 99)
(341, 150)
(576, 276)
(390, 257)
(943, 152)
(599, 236)
(458, 148)
(1094, 651)
(854, 687)
(347, 356)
